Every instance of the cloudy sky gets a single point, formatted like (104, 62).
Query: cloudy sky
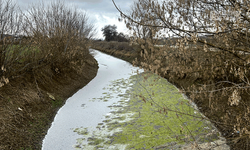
(101, 12)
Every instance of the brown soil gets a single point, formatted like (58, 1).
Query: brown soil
(215, 109)
(29, 103)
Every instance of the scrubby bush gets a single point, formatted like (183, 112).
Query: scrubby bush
(207, 42)
(113, 45)
(43, 51)
(59, 31)
(11, 26)
(42, 35)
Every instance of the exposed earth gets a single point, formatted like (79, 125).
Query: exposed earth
(29, 103)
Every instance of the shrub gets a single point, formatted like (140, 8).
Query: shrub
(50, 35)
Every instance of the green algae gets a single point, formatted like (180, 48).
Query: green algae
(95, 141)
(81, 131)
(106, 120)
(158, 103)
(152, 113)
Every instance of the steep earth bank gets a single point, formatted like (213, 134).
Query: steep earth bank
(29, 102)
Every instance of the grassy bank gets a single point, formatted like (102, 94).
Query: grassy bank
(214, 105)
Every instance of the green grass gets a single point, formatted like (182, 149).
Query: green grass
(57, 102)
(28, 148)
(20, 53)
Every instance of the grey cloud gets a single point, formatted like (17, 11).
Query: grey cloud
(93, 8)
(90, 1)
(98, 6)
(104, 6)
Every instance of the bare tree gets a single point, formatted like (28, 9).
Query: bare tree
(10, 29)
(212, 36)
(43, 34)
(59, 25)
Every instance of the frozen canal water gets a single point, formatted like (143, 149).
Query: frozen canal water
(79, 110)
(122, 108)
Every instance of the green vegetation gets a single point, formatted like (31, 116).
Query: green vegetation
(20, 53)
(57, 103)
(141, 124)
(152, 126)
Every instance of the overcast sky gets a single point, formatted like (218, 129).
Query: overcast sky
(101, 12)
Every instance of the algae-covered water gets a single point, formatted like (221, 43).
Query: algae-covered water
(125, 108)
(151, 114)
